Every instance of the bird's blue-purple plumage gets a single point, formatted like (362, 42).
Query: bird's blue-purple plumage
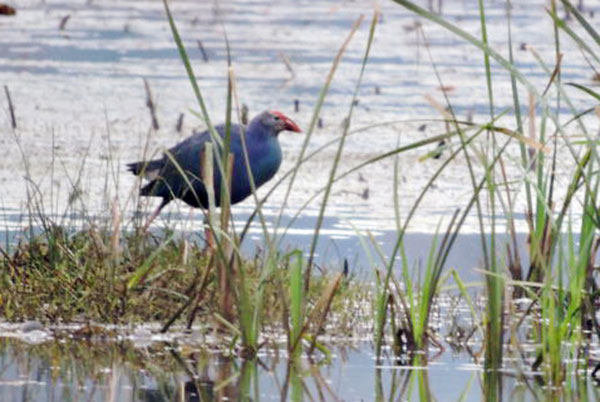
(178, 174)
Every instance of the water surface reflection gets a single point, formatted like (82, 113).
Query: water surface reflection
(68, 369)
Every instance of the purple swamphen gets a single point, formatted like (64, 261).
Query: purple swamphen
(178, 174)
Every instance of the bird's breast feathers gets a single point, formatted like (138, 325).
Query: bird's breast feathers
(265, 161)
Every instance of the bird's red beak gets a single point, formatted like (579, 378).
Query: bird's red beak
(289, 124)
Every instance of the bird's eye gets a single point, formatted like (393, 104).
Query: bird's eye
(277, 118)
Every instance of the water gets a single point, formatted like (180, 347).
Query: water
(70, 369)
(81, 109)
(341, 241)
(102, 371)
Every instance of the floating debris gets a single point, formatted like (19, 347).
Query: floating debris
(440, 148)
(5, 9)
(447, 88)
(412, 27)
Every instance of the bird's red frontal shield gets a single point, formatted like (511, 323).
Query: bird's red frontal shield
(290, 125)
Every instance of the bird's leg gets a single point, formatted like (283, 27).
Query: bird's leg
(156, 212)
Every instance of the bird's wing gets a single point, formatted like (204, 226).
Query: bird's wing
(189, 153)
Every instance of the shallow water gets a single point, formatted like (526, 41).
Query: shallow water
(341, 242)
(72, 370)
(81, 113)
(127, 370)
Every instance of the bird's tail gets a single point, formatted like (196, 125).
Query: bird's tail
(149, 169)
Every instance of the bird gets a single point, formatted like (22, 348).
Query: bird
(178, 174)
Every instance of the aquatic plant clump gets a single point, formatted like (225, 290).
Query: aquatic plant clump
(63, 277)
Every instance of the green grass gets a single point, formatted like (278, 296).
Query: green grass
(564, 300)
(73, 278)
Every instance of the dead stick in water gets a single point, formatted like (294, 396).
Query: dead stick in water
(204, 55)
(179, 122)
(288, 64)
(244, 114)
(11, 108)
(150, 104)
(63, 22)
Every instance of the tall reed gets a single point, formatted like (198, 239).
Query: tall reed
(564, 278)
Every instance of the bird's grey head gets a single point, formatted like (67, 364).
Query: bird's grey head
(276, 122)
